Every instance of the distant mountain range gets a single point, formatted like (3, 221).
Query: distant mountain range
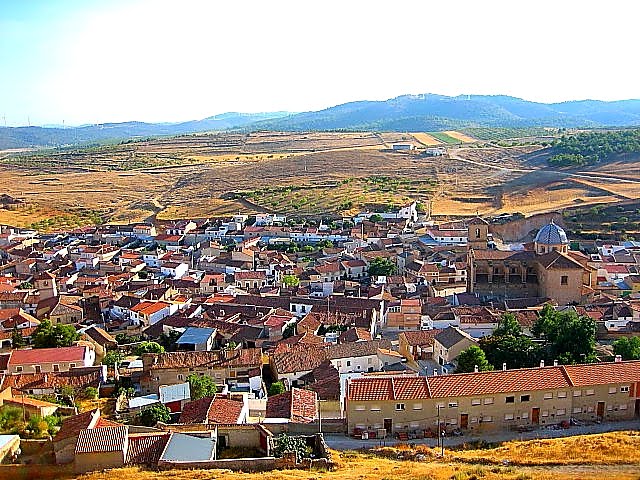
(427, 112)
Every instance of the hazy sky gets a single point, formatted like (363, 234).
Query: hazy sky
(88, 61)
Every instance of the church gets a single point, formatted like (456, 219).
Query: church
(545, 268)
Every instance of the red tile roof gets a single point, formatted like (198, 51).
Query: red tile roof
(145, 449)
(297, 405)
(110, 439)
(72, 426)
(212, 410)
(603, 373)
(47, 355)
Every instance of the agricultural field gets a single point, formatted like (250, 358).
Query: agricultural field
(444, 137)
(460, 136)
(426, 139)
(587, 457)
(303, 174)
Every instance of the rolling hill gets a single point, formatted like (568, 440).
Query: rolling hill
(427, 112)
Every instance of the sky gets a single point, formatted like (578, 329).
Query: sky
(95, 61)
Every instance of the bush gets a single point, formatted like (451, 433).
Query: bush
(276, 388)
(284, 443)
(154, 414)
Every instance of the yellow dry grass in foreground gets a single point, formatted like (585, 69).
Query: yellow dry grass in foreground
(426, 139)
(588, 457)
(460, 136)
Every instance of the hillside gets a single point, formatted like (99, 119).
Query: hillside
(439, 112)
(407, 113)
(24, 137)
(609, 455)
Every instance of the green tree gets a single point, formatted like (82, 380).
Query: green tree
(148, 347)
(382, 267)
(168, 340)
(112, 357)
(568, 337)
(154, 414)
(628, 348)
(91, 393)
(508, 325)
(69, 392)
(201, 386)
(375, 218)
(290, 281)
(276, 388)
(47, 335)
(517, 351)
(284, 443)
(472, 357)
(17, 340)
(289, 330)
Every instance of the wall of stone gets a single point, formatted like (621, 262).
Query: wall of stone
(519, 230)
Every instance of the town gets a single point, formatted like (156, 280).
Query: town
(238, 342)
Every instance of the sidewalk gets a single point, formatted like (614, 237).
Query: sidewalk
(342, 442)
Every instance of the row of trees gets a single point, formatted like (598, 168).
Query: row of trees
(591, 147)
(564, 336)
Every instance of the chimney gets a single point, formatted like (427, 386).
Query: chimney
(504, 367)
(475, 368)
(618, 358)
(555, 363)
(46, 378)
(541, 363)
(435, 373)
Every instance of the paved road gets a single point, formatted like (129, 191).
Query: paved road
(342, 442)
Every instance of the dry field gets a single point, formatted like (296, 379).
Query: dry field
(294, 173)
(426, 139)
(589, 457)
(460, 136)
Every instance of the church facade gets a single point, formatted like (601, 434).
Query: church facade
(546, 268)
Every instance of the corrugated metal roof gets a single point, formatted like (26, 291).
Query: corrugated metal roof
(186, 448)
(174, 393)
(195, 335)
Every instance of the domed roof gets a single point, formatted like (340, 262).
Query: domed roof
(551, 234)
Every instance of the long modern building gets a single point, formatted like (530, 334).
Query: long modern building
(496, 400)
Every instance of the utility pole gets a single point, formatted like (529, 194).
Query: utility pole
(438, 407)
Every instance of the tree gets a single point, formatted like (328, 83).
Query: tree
(375, 218)
(112, 357)
(17, 340)
(148, 347)
(68, 392)
(568, 337)
(168, 340)
(91, 393)
(47, 335)
(154, 414)
(201, 386)
(276, 388)
(382, 267)
(509, 345)
(284, 443)
(508, 325)
(628, 348)
(290, 281)
(123, 338)
(289, 330)
(472, 357)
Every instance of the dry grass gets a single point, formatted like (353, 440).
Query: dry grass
(460, 136)
(589, 457)
(426, 139)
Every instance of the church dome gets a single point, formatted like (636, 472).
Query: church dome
(551, 234)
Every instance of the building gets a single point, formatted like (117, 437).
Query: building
(544, 269)
(448, 344)
(44, 360)
(494, 401)
(405, 316)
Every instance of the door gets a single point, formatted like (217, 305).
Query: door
(464, 420)
(388, 425)
(535, 416)
(600, 410)
(638, 407)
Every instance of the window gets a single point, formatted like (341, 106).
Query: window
(38, 368)
(453, 404)
(488, 400)
(488, 418)
(561, 395)
(473, 420)
(623, 406)
(417, 406)
(577, 393)
(525, 415)
(564, 280)
(348, 363)
(589, 391)
(609, 407)
(18, 368)
(545, 413)
(612, 390)
(624, 389)
(510, 399)
(475, 401)
(577, 409)
(339, 364)
(180, 376)
(375, 408)
(508, 416)
(360, 408)
(549, 395)
(524, 398)
(369, 361)
(56, 367)
(561, 411)
(400, 406)
(72, 365)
